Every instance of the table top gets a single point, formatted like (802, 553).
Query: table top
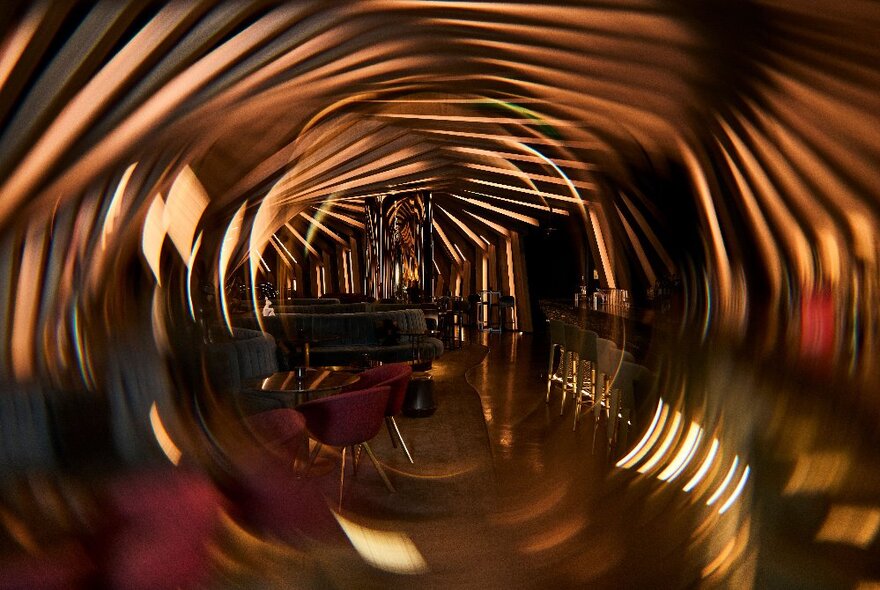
(304, 381)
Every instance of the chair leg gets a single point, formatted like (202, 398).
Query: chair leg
(399, 436)
(578, 394)
(388, 420)
(379, 468)
(355, 458)
(313, 456)
(342, 478)
(550, 372)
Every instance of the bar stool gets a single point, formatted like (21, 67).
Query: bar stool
(622, 402)
(506, 302)
(572, 343)
(557, 340)
(585, 390)
(474, 306)
(609, 359)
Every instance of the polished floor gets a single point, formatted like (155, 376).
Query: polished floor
(571, 518)
(505, 494)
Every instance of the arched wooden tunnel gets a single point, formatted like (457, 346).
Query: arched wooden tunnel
(731, 144)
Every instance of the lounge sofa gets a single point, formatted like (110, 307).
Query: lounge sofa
(347, 338)
(247, 355)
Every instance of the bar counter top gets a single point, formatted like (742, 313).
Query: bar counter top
(631, 328)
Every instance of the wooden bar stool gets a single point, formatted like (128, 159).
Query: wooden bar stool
(557, 341)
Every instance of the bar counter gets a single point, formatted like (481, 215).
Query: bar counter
(631, 328)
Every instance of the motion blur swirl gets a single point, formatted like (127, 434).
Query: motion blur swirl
(161, 161)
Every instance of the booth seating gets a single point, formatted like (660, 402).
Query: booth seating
(347, 338)
(248, 354)
(352, 307)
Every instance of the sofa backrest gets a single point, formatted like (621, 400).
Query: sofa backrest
(256, 353)
(326, 308)
(351, 328)
(25, 434)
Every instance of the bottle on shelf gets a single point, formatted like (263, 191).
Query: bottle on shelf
(580, 298)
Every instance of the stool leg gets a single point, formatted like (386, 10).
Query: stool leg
(569, 359)
(550, 372)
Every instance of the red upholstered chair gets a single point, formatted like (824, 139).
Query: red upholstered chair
(396, 376)
(345, 420)
(159, 528)
(282, 432)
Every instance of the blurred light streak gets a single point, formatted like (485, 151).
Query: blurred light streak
(498, 228)
(651, 435)
(389, 551)
(283, 247)
(575, 164)
(528, 191)
(707, 309)
(736, 492)
(604, 257)
(719, 560)
(685, 454)
(302, 240)
(84, 108)
(636, 244)
(165, 443)
(186, 202)
(521, 203)
(499, 210)
(850, 524)
(532, 177)
(82, 356)
(476, 119)
(816, 473)
(649, 232)
(800, 259)
(726, 482)
(274, 242)
(153, 235)
(511, 285)
(28, 298)
(704, 466)
(460, 254)
(114, 209)
(514, 138)
(551, 538)
(227, 247)
(259, 255)
(19, 532)
(344, 218)
(660, 453)
(455, 254)
(464, 228)
(317, 224)
(723, 285)
(764, 240)
(190, 263)
(547, 502)
(14, 46)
